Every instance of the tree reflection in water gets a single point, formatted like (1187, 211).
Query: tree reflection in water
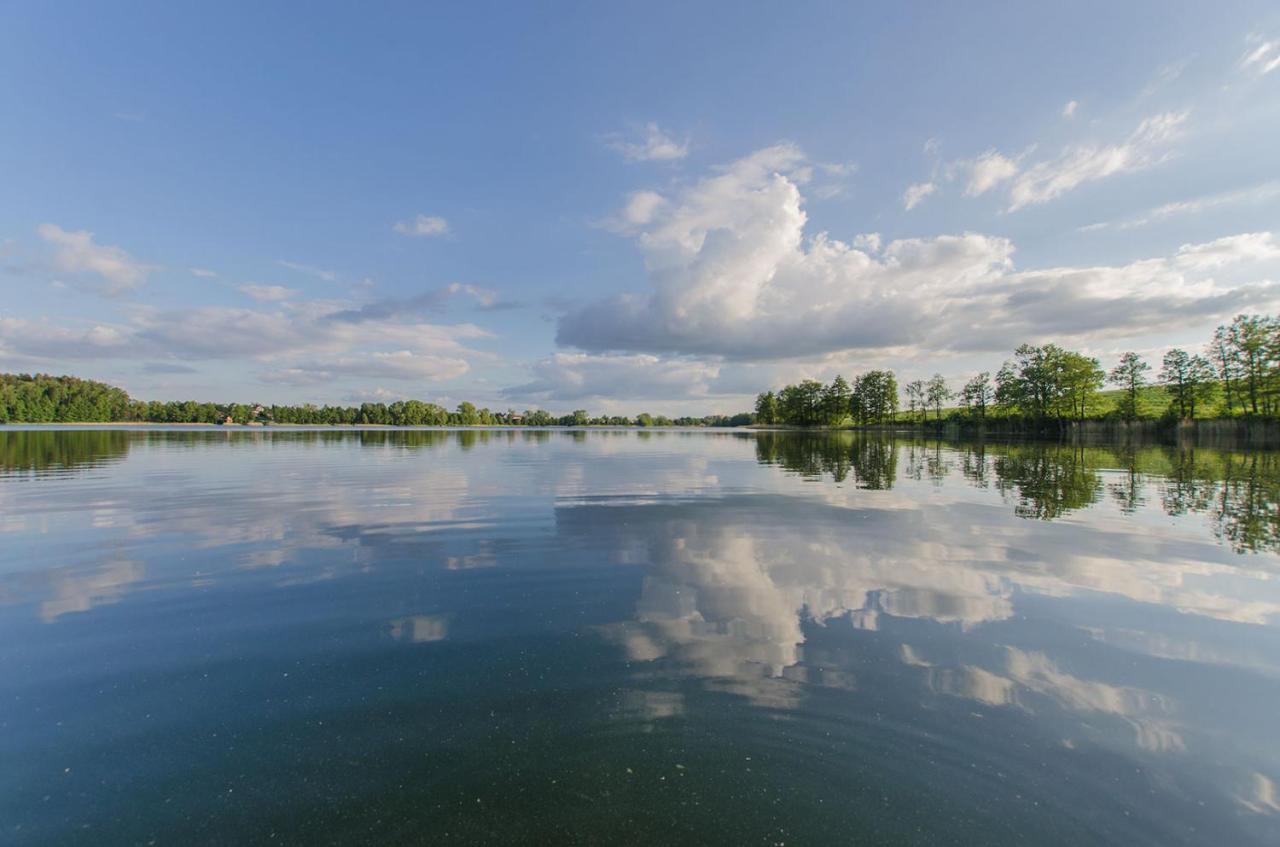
(46, 451)
(1239, 491)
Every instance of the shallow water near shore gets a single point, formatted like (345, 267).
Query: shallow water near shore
(632, 637)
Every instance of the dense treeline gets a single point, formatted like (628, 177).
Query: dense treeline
(1237, 374)
(41, 398)
(871, 399)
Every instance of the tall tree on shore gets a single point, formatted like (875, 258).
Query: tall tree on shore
(915, 397)
(835, 401)
(977, 394)
(811, 395)
(1189, 379)
(1049, 381)
(801, 404)
(937, 393)
(1026, 382)
(876, 394)
(1252, 338)
(1008, 388)
(1130, 375)
(1222, 354)
(1078, 379)
(767, 408)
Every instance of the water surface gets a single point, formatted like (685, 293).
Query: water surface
(340, 637)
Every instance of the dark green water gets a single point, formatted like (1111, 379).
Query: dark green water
(431, 637)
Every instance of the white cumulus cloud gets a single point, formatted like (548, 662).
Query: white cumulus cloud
(76, 252)
(733, 275)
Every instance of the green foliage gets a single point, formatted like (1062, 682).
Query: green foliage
(1130, 374)
(1049, 382)
(872, 398)
(767, 409)
(936, 393)
(977, 394)
(1238, 374)
(875, 397)
(1249, 359)
(1190, 379)
(41, 398)
(835, 401)
(65, 399)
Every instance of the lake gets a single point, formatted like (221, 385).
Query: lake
(634, 637)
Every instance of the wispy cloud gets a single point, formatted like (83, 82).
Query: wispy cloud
(652, 144)
(988, 171)
(167, 368)
(428, 302)
(310, 270)
(1253, 194)
(915, 194)
(203, 273)
(1080, 164)
(267, 293)
(1262, 59)
(1166, 75)
(1069, 110)
(76, 252)
(423, 226)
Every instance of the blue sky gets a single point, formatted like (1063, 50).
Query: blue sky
(645, 206)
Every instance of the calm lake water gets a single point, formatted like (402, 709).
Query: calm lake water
(382, 637)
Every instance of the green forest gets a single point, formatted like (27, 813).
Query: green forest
(1236, 375)
(41, 398)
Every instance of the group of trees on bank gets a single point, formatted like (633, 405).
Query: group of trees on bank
(1237, 373)
(872, 398)
(40, 398)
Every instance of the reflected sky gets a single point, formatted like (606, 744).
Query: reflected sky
(633, 637)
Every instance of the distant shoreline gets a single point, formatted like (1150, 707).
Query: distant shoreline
(512, 427)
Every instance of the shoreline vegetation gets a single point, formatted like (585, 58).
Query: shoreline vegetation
(46, 399)
(1230, 391)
